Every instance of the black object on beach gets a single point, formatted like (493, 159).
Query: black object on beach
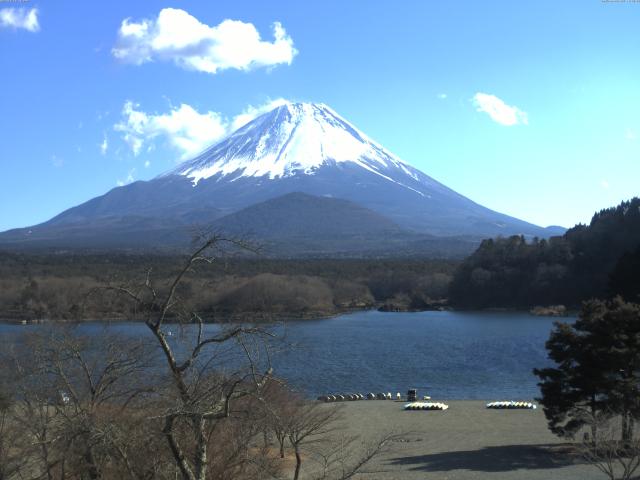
(412, 395)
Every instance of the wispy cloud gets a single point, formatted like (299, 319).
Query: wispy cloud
(56, 161)
(23, 18)
(498, 110)
(128, 179)
(442, 96)
(630, 134)
(186, 129)
(604, 183)
(104, 146)
(174, 35)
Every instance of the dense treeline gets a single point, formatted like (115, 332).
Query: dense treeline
(56, 287)
(598, 260)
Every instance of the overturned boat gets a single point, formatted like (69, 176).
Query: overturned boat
(510, 405)
(426, 406)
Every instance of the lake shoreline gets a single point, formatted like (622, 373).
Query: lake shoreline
(274, 318)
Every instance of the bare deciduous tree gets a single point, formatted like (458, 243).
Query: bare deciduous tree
(191, 400)
(617, 459)
(309, 424)
(197, 400)
(77, 398)
(12, 460)
(341, 459)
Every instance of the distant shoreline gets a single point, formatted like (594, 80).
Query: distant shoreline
(276, 318)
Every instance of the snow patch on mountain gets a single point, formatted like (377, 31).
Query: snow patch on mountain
(296, 138)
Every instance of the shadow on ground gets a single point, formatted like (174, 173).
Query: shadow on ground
(493, 459)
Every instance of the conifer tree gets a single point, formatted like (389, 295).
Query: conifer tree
(597, 368)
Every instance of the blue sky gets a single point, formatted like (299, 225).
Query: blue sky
(529, 108)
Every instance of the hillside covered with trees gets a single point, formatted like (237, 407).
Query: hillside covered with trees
(596, 260)
(56, 287)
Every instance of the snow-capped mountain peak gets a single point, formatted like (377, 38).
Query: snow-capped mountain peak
(293, 139)
(300, 174)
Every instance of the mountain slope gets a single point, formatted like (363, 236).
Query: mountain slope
(300, 214)
(294, 148)
(298, 224)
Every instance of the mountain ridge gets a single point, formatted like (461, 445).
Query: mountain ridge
(297, 147)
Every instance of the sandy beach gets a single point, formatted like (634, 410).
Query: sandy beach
(465, 442)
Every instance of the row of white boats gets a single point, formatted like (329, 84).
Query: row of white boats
(426, 406)
(508, 404)
(357, 396)
(421, 405)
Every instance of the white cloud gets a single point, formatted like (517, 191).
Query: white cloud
(104, 146)
(604, 184)
(630, 134)
(20, 18)
(442, 96)
(129, 179)
(186, 129)
(179, 37)
(499, 111)
(147, 164)
(57, 161)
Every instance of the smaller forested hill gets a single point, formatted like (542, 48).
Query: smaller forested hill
(595, 260)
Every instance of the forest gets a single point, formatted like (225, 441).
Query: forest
(59, 287)
(599, 260)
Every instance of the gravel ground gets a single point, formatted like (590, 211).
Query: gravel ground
(467, 441)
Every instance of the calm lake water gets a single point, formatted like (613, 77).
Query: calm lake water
(448, 355)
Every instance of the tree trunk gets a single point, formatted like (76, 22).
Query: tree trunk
(92, 469)
(201, 449)
(45, 454)
(627, 427)
(179, 457)
(296, 474)
(594, 423)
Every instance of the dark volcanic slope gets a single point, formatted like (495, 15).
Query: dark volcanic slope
(300, 214)
(298, 224)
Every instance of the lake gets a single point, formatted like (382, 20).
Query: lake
(448, 355)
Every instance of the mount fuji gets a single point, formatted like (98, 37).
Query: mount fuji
(299, 175)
